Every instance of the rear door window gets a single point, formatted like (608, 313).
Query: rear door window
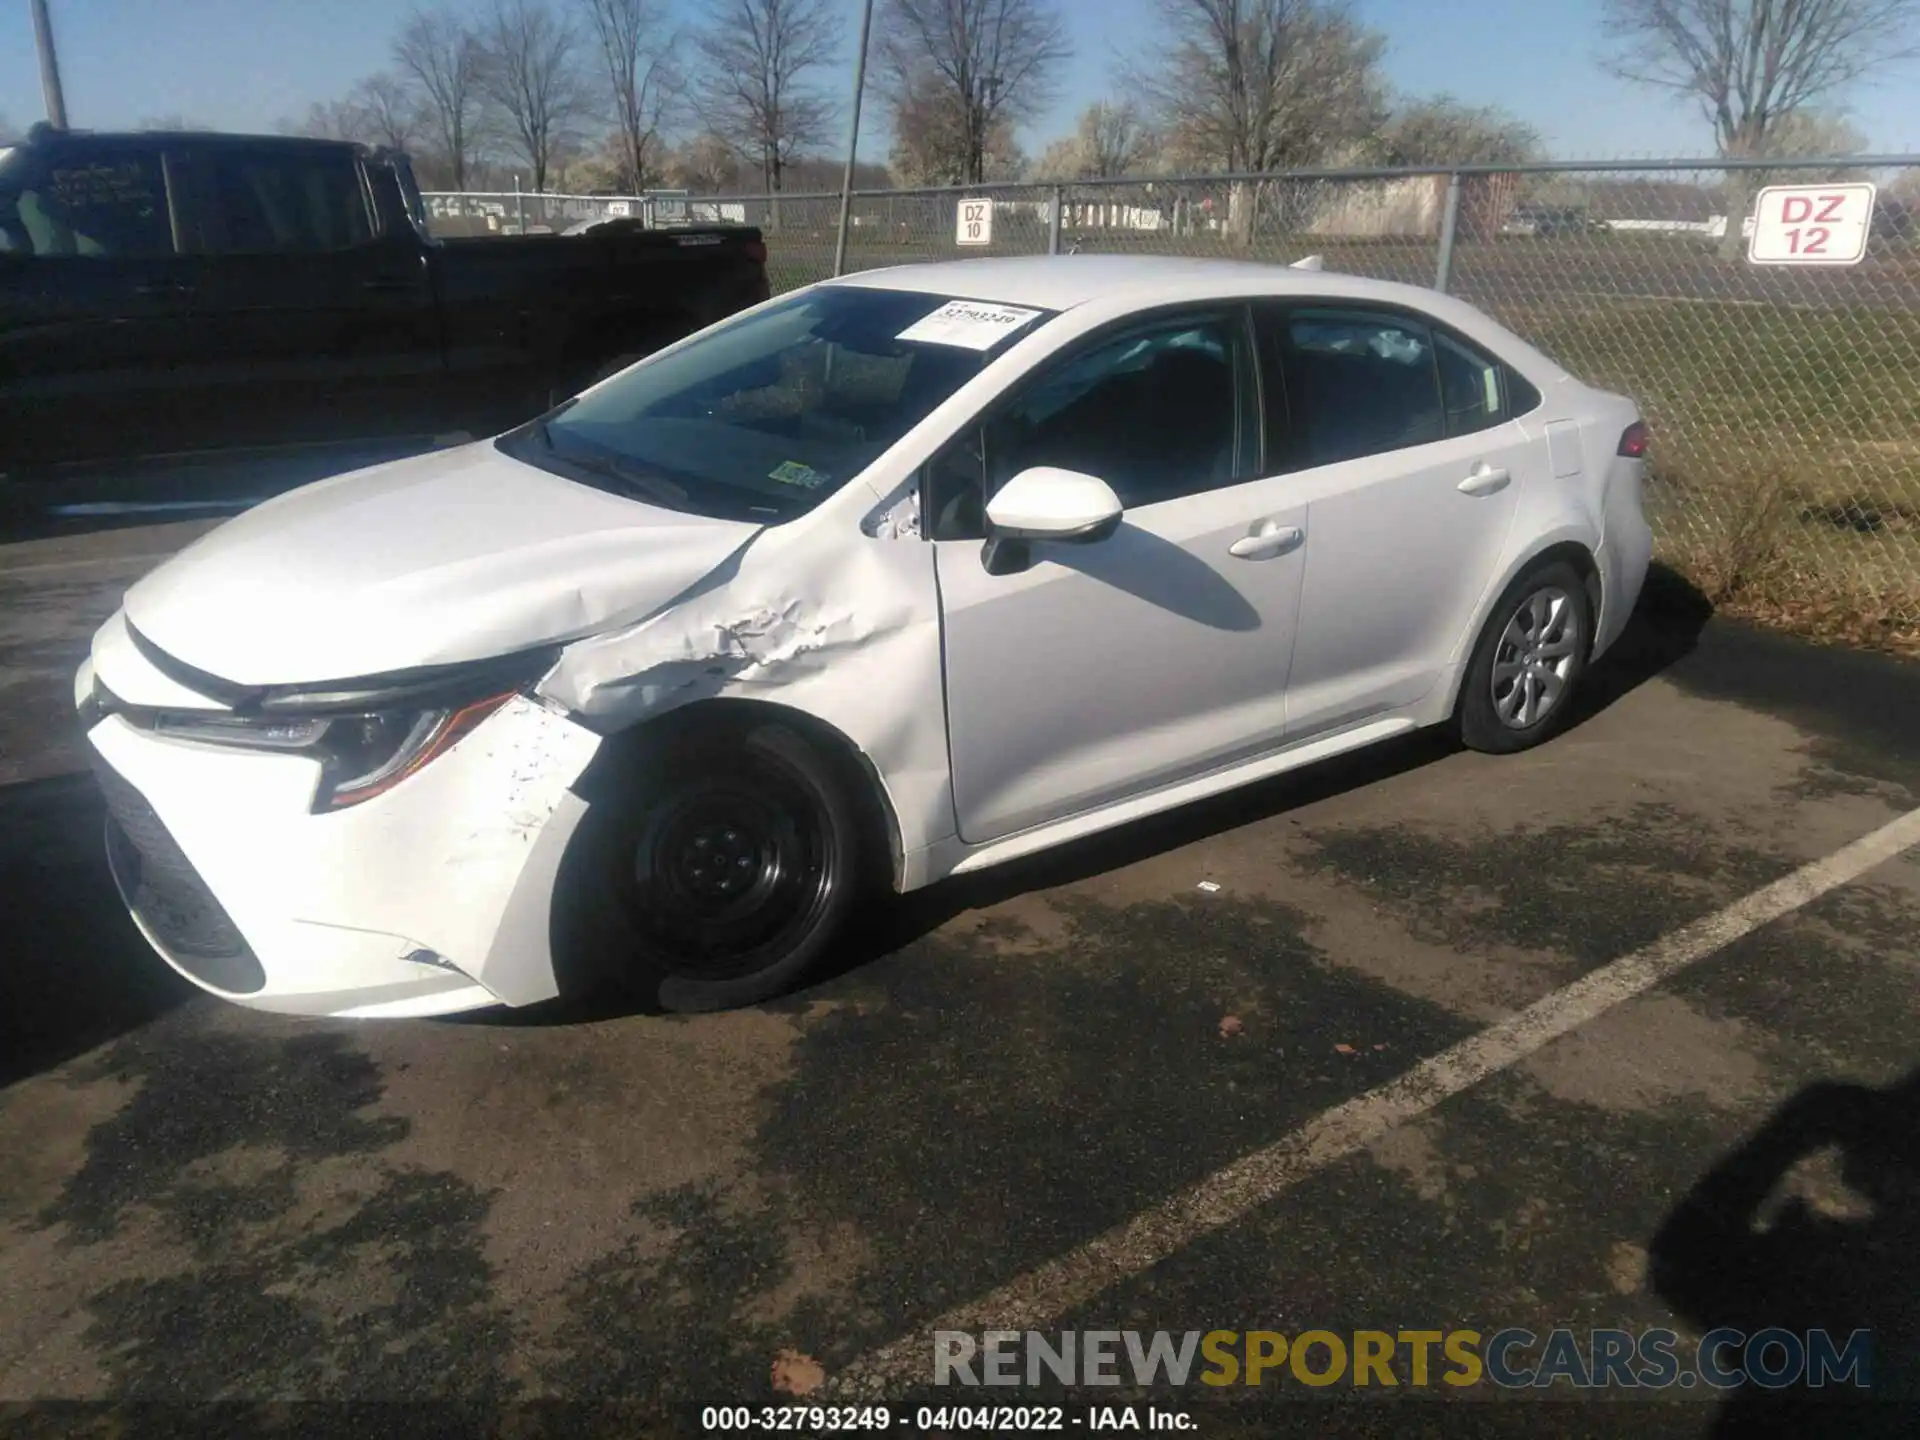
(104, 204)
(1358, 384)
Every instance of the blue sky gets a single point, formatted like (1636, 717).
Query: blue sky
(242, 64)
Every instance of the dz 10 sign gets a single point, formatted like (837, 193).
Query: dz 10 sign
(974, 224)
(1811, 225)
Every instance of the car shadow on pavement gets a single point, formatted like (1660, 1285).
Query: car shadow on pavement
(1664, 628)
(1768, 1239)
(77, 972)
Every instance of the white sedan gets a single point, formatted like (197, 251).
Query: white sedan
(898, 576)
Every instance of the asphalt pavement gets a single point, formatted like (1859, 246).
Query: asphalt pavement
(1415, 1040)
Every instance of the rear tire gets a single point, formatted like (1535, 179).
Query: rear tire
(722, 868)
(1528, 662)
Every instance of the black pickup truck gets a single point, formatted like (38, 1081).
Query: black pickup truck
(163, 293)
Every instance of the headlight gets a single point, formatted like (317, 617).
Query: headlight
(360, 756)
(367, 735)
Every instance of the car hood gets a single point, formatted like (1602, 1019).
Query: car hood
(460, 555)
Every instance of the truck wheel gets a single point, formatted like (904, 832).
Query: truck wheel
(723, 867)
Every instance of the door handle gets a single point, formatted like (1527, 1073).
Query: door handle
(389, 283)
(161, 287)
(1484, 479)
(1266, 540)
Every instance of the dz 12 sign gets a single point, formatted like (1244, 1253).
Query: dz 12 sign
(974, 224)
(1811, 225)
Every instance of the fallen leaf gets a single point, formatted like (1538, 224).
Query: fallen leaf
(797, 1374)
(1381, 1046)
(1230, 1026)
(1344, 1049)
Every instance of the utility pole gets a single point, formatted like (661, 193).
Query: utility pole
(49, 67)
(853, 141)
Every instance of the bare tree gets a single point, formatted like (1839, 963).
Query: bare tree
(762, 58)
(1441, 130)
(707, 164)
(644, 85)
(1112, 139)
(441, 56)
(532, 77)
(326, 120)
(931, 145)
(1258, 85)
(1749, 64)
(386, 111)
(961, 71)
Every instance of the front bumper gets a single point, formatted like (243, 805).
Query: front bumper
(429, 899)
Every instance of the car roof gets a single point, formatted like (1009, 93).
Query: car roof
(1121, 284)
(1060, 282)
(45, 136)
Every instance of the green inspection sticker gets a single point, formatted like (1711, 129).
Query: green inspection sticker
(792, 472)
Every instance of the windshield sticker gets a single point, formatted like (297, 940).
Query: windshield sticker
(968, 324)
(792, 472)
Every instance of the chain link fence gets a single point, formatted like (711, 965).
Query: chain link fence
(465, 213)
(1784, 400)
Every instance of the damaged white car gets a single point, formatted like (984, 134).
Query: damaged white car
(898, 576)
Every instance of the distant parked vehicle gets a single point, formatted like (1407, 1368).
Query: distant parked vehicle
(1548, 220)
(168, 292)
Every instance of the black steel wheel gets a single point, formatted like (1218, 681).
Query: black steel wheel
(726, 867)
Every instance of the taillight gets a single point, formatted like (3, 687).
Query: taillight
(1634, 440)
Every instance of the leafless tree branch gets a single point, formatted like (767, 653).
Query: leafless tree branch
(1749, 63)
(762, 58)
(1111, 140)
(532, 76)
(962, 73)
(440, 56)
(645, 87)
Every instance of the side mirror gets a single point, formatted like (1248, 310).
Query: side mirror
(1045, 503)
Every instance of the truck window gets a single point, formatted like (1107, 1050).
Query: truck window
(242, 202)
(106, 204)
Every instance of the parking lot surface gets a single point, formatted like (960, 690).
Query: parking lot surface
(586, 1205)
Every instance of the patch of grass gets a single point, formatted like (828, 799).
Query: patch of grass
(1837, 387)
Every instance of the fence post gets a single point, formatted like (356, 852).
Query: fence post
(519, 205)
(1449, 220)
(1053, 224)
(853, 142)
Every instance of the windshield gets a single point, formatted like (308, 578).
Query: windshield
(766, 416)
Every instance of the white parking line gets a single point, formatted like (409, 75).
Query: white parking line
(1041, 1295)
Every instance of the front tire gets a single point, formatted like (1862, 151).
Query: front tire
(723, 869)
(1528, 661)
